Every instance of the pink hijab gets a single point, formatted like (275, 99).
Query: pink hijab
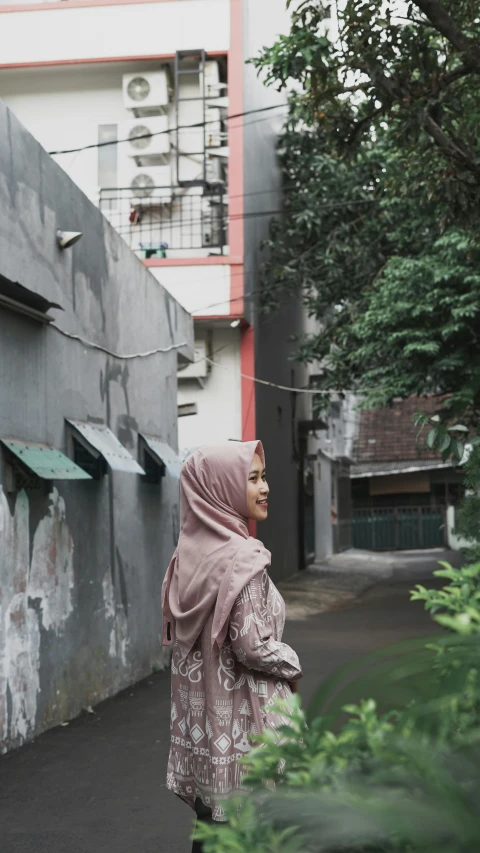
(215, 557)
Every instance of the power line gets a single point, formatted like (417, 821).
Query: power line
(264, 381)
(197, 125)
(121, 356)
(201, 220)
(146, 354)
(152, 225)
(286, 188)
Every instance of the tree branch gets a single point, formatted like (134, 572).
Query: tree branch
(357, 127)
(457, 74)
(441, 20)
(449, 146)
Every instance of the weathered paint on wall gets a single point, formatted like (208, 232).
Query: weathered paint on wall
(51, 577)
(37, 592)
(20, 651)
(81, 562)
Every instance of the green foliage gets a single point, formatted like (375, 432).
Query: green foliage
(350, 776)
(323, 754)
(380, 237)
(381, 161)
(457, 605)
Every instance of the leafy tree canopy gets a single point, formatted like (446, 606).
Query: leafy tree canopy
(381, 161)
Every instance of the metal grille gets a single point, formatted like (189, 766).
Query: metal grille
(154, 221)
(398, 528)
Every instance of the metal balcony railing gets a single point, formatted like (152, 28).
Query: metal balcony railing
(159, 221)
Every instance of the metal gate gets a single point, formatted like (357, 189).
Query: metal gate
(398, 528)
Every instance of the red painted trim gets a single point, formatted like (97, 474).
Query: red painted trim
(247, 367)
(228, 317)
(163, 57)
(235, 128)
(224, 260)
(75, 4)
(237, 289)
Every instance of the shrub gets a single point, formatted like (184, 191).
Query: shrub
(369, 777)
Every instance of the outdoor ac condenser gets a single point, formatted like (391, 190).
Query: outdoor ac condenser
(199, 369)
(146, 92)
(148, 185)
(213, 87)
(148, 140)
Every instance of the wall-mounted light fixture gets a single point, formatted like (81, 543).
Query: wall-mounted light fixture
(65, 239)
(235, 323)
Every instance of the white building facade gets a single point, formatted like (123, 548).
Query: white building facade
(162, 124)
(120, 85)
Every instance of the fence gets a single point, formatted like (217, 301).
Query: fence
(155, 220)
(398, 528)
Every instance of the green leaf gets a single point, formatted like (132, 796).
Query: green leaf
(458, 449)
(444, 443)
(432, 437)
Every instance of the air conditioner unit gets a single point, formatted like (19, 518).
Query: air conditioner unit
(147, 138)
(199, 369)
(214, 170)
(220, 103)
(213, 86)
(214, 221)
(149, 185)
(213, 128)
(146, 93)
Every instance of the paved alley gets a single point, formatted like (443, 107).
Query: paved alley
(97, 784)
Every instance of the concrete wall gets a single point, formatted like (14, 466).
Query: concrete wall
(323, 472)
(277, 411)
(202, 290)
(81, 562)
(455, 543)
(218, 396)
(65, 108)
(140, 29)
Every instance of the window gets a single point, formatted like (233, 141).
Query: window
(91, 442)
(93, 464)
(108, 164)
(158, 459)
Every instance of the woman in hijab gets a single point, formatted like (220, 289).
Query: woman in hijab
(225, 619)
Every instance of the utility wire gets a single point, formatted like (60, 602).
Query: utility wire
(195, 126)
(121, 356)
(150, 227)
(128, 356)
(171, 347)
(287, 188)
(264, 381)
(234, 217)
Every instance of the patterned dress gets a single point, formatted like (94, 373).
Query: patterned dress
(220, 697)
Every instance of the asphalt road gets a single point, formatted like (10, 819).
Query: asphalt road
(97, 785)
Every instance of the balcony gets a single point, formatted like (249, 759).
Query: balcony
(168, 222)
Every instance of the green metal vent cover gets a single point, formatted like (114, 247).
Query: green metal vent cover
(45, 461)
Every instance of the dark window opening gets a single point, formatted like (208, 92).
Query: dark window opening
(18, 298)
(93, 465)
(153, 470)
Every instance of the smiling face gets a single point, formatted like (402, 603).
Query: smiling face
(257, 490)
